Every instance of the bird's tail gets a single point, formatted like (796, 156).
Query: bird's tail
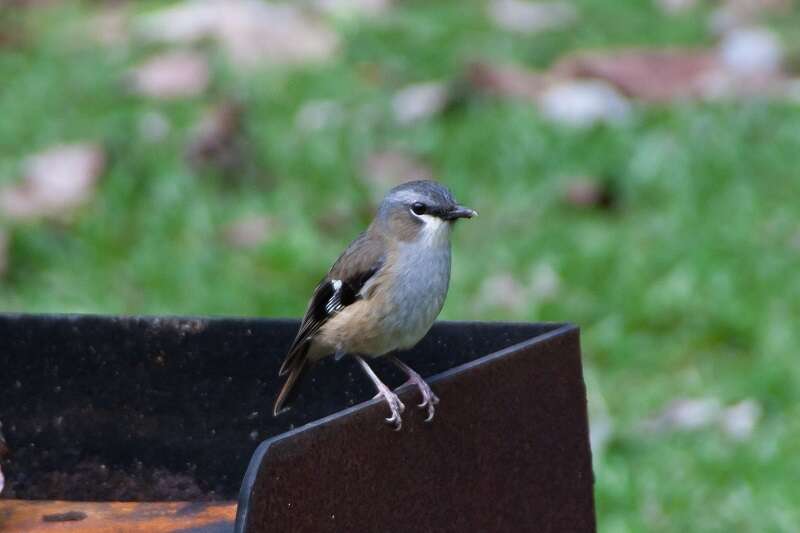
(285, 395)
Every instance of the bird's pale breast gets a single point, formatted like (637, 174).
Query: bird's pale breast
(406, 300)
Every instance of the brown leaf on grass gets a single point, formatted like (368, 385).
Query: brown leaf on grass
(686, 414)
(559, 95)
(217, 141)
(750, 65)
(252, 33)
(737, 421)
(171, 75)
(589, 192)
(644, 74)
(751, 52)
(505, 81)
(55, 182)
(248, 232)
(583, 103)
(747, 63)
(420, 101)
(531, 17)
(384, 170)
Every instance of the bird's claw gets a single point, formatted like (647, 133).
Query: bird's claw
(429, 399)
(396, 406)
(429, 403)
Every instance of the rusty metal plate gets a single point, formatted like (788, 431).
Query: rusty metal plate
(507, 451)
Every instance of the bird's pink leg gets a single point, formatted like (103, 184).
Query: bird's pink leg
(429, 399)
(395, 405)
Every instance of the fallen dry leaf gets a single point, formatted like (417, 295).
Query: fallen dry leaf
(420, 101)
(746, 64)
(649, 75)
(55, 182)
(686, 414)
(171, 75)
(384, 170)
(530, 17)
(505, 81)
(751, 52)
(248, 232)
(739, 420)
(217, 140)
(583, 103)
(251, 32)
(589, 192)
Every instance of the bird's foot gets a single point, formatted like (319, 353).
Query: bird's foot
(429, 399)
(395, 405)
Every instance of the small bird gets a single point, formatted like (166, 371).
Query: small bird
(384, 291)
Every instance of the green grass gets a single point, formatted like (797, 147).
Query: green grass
(689, 288)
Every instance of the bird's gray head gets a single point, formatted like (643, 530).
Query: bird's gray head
(420, 210)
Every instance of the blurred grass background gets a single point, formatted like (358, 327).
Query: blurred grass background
(687, 287)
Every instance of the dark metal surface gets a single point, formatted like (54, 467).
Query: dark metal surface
(149, 408)
(507, 451)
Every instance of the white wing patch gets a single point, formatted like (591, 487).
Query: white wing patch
(335, 302)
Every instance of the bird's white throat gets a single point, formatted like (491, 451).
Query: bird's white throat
(434, 231)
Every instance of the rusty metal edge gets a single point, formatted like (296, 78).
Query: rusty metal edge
(256, 460)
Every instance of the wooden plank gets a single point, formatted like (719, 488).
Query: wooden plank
(116, 517)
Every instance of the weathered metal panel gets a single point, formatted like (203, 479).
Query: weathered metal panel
(507, 451)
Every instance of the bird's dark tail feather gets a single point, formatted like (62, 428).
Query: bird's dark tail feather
(288, 390)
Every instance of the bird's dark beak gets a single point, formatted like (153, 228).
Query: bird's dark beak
(459, 211)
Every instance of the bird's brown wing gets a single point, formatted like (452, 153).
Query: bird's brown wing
(338, 289)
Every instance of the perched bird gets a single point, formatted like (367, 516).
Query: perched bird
(384, 291)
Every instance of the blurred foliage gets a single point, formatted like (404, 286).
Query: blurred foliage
(688, 287)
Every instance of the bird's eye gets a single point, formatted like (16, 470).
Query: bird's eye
(418, 208)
